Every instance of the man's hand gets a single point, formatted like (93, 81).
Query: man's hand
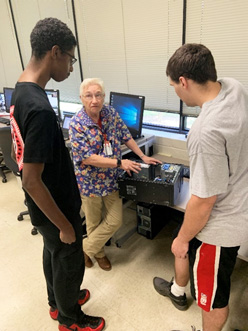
(129, 166)
(180, 248)
(67, 235)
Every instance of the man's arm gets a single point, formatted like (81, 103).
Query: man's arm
(196, 216)
(34, 186)
(131, 144)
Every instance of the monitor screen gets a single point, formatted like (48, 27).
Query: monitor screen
(130, 108)
(53, 97)
(66, 121)
(7, 91)
(2, 102)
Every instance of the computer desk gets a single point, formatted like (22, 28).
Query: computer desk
(4, 115)
(145, 141)
(181, 203)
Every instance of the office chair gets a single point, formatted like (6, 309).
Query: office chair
(3, 168)
(6, 145)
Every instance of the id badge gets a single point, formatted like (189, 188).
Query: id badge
(107, 148)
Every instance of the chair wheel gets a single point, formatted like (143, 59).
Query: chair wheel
(20, 218)
(4, 180)
(34, 231)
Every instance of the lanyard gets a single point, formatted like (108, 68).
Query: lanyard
(106, 146)
(100, 126)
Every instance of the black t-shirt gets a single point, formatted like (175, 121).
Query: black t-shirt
(44, 143)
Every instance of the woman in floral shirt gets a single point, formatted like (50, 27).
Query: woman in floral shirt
(96, 134)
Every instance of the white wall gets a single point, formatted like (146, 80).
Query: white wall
(171, 145)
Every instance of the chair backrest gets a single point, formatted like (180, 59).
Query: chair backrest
(6, 146)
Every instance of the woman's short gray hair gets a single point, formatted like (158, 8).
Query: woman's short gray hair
(91, 81)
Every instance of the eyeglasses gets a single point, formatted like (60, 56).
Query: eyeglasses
(89, 97)
(73, 59)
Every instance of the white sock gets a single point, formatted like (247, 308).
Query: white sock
(176, 289)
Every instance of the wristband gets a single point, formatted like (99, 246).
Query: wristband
(118, 163)
(141, 156)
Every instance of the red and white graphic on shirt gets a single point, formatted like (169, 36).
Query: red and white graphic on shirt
(205, 275)
(17, 139)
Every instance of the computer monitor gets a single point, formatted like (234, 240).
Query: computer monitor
(2, 102)
(53, 97)
(66, 124)
(7, 91)
(130, 108)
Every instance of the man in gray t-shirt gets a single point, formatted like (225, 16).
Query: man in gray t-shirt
(216, 218)
(218, 147)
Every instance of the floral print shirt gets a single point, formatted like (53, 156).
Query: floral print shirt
(87, 138)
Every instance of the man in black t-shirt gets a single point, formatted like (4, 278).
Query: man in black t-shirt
(47, 174)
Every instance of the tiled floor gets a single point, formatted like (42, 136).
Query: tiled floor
(124, 296)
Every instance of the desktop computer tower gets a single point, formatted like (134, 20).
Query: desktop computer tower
(151, 219)
(159, 185)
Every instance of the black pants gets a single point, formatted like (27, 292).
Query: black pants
(64, 270)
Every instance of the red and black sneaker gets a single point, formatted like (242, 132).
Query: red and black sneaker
(88, 323)
(84, 296)
(53, 313)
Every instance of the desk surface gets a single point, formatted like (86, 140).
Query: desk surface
(2, 125)
(143, 141)
(169, 159)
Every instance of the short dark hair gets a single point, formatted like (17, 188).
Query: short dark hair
(48, 33)
(193, 61)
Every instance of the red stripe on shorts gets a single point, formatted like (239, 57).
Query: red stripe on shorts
(207, 260)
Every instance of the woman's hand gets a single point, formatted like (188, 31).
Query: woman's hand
(150, 160)
(129, 166)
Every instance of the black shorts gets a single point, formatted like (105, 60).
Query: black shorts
(210, 273)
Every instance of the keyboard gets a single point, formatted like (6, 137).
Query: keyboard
(5, 121)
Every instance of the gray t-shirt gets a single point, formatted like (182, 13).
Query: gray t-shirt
(218, 153)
